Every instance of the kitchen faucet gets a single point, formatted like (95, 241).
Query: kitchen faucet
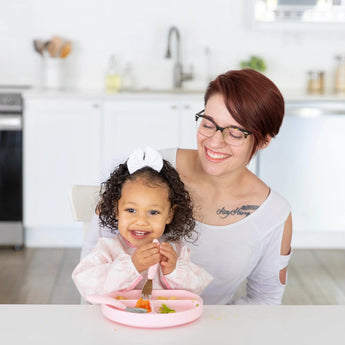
(179, 75)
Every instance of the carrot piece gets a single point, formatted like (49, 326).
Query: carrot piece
(143, 304)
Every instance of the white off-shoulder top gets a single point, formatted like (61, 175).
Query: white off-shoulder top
(246, 250)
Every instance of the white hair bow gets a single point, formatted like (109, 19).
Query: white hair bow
(147, 158)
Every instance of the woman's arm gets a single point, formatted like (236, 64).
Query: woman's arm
(266, 283)
(286, 246)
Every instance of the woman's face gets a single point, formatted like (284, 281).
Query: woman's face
(217, 157)
(143, 212)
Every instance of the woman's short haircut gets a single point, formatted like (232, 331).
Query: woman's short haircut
(253, 100)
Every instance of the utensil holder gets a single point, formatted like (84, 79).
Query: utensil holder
(52, 73)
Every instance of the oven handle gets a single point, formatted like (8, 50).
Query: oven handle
(10, 122)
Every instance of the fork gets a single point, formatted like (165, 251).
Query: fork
(147, 288)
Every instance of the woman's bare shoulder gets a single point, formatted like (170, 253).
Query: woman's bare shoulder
(185, 158)
(252, 189)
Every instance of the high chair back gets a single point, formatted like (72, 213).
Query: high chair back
(83, 199)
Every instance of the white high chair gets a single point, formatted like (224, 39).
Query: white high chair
(83, 199)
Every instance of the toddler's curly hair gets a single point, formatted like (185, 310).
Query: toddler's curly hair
(182, 225)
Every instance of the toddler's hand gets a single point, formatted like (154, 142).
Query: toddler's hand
(146, 256)
(168, 257)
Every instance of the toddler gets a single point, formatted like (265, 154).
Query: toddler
(144, 199)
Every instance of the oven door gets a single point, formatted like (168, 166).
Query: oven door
(11, 179)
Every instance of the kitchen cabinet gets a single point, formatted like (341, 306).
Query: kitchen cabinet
(304, 163)
(187, 111)
(61, 148)
(159, 123)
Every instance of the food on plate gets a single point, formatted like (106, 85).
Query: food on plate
(145, 304)
(164, 309)
(166, 298)
(120, 297)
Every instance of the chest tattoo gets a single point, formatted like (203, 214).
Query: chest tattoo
(245, 210)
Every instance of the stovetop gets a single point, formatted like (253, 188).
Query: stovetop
(11, 98)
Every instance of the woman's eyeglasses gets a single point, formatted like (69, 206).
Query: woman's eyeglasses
(232, 135)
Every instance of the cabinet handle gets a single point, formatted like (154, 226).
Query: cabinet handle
(95, 105)
(187, 106)
(174, 106)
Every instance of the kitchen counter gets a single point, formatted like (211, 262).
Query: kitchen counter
(146, 93)
(85, 324)
(123, 95)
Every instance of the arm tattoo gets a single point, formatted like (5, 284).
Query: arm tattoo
(239, 211)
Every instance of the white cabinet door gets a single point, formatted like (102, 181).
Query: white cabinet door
(129, 124)
(187, 110)
(305, 164)
(61, 148)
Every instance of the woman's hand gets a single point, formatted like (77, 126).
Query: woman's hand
(168, 257)
(146, 256)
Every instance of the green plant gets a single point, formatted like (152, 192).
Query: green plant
(255, 62)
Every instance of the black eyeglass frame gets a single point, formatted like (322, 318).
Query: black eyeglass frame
(218, 128)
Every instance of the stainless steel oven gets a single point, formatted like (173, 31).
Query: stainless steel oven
(11, 170)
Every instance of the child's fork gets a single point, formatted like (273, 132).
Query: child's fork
(147, 288)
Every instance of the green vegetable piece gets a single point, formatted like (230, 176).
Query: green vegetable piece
(164, 309)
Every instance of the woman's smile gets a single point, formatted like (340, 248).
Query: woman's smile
(216, 157)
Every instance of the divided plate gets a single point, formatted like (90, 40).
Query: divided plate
(188, 307)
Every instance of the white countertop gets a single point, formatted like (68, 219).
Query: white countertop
(102, 95)
(289, 95)
(85, 324)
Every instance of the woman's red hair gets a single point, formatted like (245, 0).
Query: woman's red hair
(253, 100)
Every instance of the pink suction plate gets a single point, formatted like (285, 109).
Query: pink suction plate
(187, 306)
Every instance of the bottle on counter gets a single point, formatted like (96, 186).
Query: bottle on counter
(112, 79)
(316, 82)
(340, 75)
(127, 80)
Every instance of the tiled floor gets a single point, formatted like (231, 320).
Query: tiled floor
(43, 276)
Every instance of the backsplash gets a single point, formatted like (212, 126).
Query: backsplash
(215, 37)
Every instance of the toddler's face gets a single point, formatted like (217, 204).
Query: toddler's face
(143, 212)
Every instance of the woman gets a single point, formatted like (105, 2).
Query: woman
(244, 227)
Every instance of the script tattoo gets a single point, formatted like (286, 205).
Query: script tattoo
(245, 210)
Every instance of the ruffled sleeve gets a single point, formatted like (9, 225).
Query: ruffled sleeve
(107, 268)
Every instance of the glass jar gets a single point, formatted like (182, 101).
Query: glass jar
(315, 82)
(340, 74)
(127, 82)
(112, 79)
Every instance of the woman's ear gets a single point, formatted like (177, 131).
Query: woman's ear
(265, 143)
